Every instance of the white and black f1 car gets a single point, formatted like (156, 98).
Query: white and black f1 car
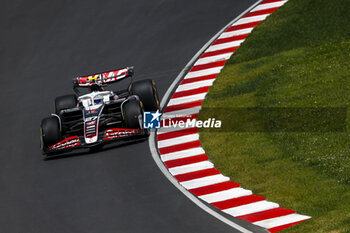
(99, 117)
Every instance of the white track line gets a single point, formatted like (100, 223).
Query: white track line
(251, 208)
(178, 140)
(211, 59)
(235, 43)
(208, 180)
(280, 221)
(195, 74)
(250, 19)
(182, 154)
(268, 6)
(236, 32)
(225, 195)
(193, 167)
(187, 99)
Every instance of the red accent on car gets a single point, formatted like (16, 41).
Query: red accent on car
(66, 143)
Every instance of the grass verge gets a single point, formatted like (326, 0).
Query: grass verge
(298, 57)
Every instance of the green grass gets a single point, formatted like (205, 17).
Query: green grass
(299, 57)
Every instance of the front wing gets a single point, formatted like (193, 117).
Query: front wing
(76, 142)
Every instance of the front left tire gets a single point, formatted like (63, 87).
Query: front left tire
(132, 113)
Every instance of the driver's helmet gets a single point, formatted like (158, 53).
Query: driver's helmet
(98, 99)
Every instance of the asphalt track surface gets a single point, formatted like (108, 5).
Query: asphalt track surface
(44, 44)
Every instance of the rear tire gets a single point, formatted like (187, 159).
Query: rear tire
(147, 92)
(133, 113)
(65, 102)
(50, 131)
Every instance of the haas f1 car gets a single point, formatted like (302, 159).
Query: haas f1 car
(99, 117)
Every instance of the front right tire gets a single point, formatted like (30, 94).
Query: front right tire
(133, 113)
(50, 131)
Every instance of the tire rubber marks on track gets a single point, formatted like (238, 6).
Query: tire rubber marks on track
(180, 148)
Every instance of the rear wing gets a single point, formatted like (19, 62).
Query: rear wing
(103, 78)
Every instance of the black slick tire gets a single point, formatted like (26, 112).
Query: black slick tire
(65, 102)
(50, 131)
(132, 113)
(147, 92)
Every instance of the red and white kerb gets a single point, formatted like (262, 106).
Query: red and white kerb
(180, 149)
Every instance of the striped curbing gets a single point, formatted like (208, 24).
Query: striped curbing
(180, 149)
